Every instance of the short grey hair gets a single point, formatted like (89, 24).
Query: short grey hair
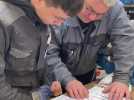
(110, 3)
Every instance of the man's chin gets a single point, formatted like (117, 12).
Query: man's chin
(90, 20)
(87, 20)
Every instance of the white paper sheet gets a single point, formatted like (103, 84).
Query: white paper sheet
(95, 93)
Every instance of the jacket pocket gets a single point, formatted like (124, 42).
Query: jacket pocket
(70, 55)
(23, 53)
(21, 61)
(21, 67)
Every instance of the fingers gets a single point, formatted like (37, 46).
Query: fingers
(121, 96)
(128, 97)
(117, 91)
(77, 90)
(83, 92)
(56, 88)
(71, 93)
(77, 93)
(111, 93)
(80, 92)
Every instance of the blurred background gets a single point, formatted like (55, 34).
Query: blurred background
(129, 7)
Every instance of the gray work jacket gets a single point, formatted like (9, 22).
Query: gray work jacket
(22, 47)
(68, 55)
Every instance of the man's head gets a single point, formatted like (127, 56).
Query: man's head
(56, 11)
(95, 9)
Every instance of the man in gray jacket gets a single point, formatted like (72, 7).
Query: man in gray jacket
(72, 51)
(23, 40)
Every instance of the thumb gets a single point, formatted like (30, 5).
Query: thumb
(107, 89)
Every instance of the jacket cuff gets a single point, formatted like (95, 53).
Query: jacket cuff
(66, 80)
(121, 78)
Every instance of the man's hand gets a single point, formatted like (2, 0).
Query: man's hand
(76, 89)
(56, 88)
(117, 91)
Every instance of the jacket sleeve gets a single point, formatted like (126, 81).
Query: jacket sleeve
(56, 67)
(122, 39)
(6, 91)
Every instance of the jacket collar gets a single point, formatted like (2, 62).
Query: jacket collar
(73, 22)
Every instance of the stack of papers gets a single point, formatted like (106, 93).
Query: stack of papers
(95, 93)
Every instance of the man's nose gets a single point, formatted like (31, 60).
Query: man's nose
(58, 22)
